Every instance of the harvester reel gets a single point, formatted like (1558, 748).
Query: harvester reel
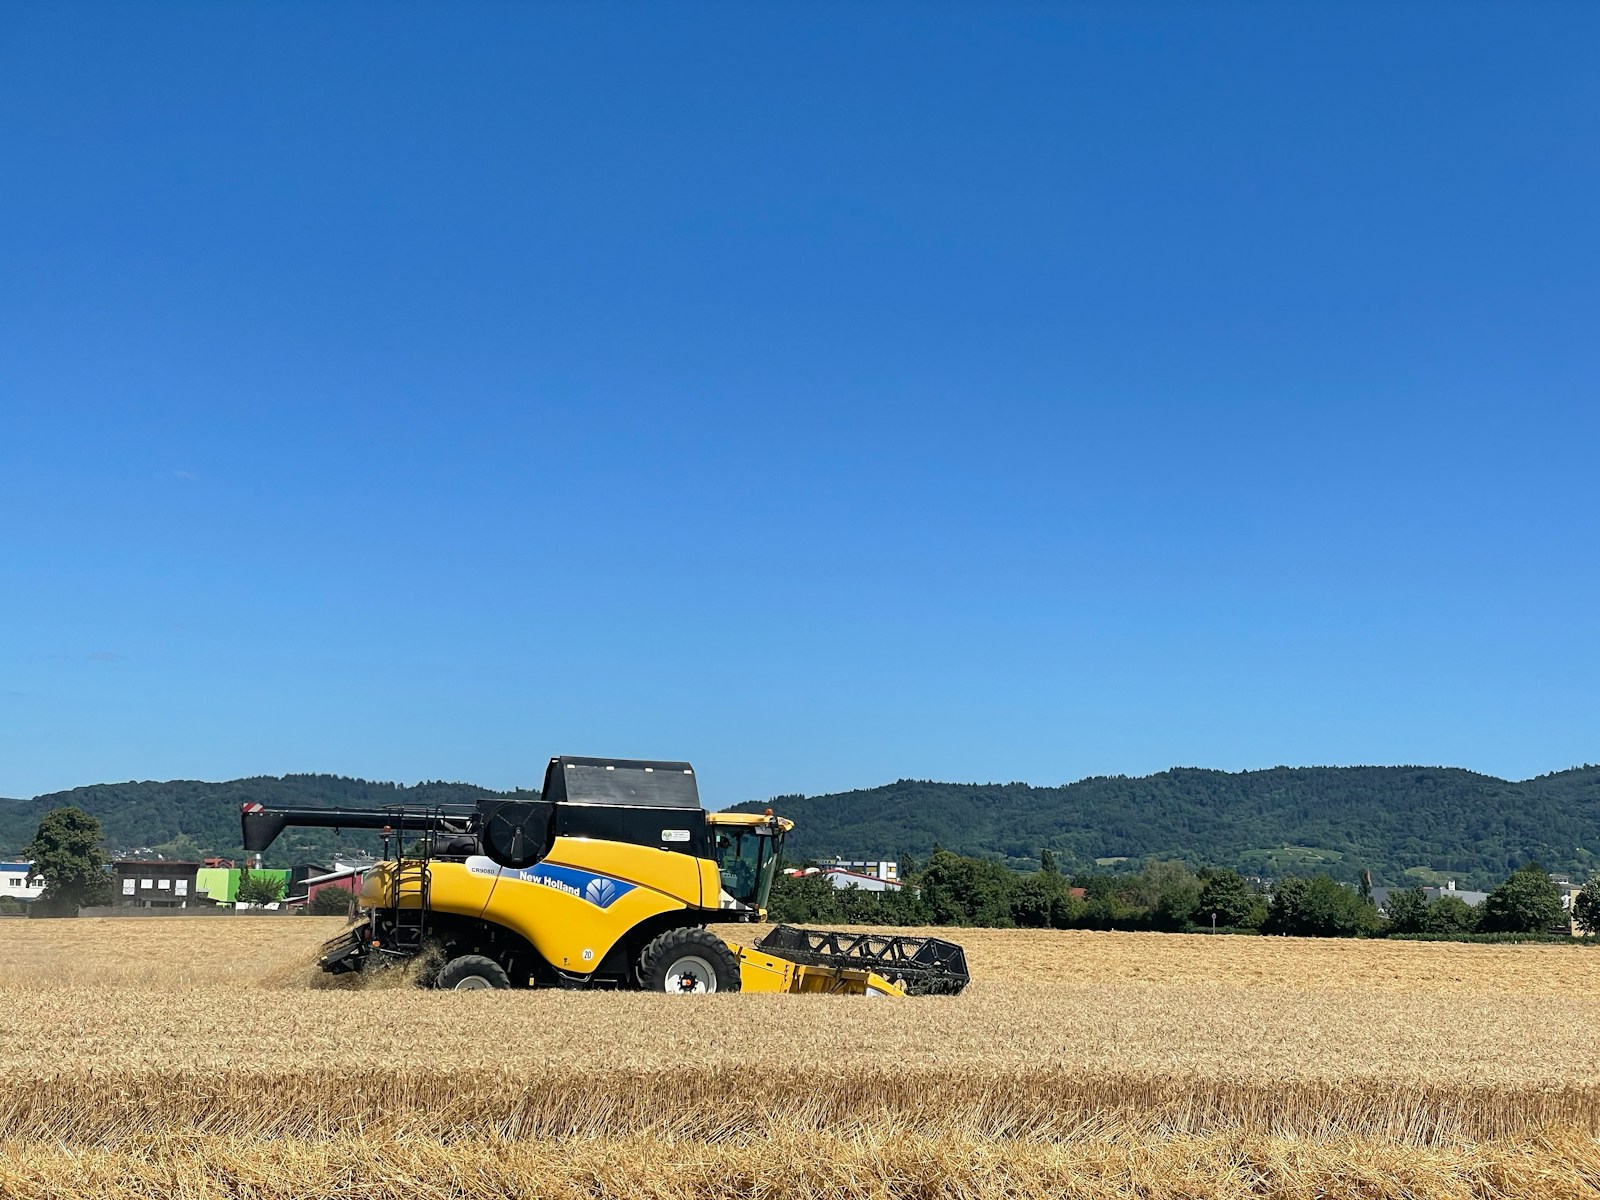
(516, 833)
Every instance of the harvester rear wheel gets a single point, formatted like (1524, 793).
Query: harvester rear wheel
(688, 962)
(471, 972)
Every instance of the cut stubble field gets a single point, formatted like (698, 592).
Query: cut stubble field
(203, 1057)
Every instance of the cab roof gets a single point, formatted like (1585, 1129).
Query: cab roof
(747, 819)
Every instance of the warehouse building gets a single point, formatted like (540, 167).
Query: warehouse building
(145, 883)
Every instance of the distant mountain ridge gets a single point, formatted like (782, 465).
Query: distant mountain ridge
(185, 818)
(1405, 824)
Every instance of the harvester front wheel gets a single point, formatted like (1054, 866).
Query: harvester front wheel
(688, 962)
(471, 972)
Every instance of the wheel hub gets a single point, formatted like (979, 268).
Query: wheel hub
(691, 975)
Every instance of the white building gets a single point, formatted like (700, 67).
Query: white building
(875, 868)
(14, 882)
(867, 875)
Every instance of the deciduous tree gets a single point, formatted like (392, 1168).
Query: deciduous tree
(1407, 910)
(66, 854)
(1450, 915)
(966, 891)
(1586, 907)
(1230, 896)
(1527, 902)
(1320, 907)
(331, 902)
(259, 889)
(1171, 893)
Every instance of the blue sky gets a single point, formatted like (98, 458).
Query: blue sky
(825, 395)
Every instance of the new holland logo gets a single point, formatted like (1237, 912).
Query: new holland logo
(550, 881)
(600, 891)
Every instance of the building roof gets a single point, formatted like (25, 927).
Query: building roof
(1380, 895)
(154, 862)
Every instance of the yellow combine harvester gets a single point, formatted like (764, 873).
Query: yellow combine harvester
(608, 879)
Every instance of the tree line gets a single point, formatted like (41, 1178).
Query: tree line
(1421, 824)
(951, 889)
(1168, 896)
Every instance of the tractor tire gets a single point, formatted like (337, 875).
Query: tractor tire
(471, 972)
(688, 962)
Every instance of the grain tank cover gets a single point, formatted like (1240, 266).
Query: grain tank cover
(654, 804)
(621, 783)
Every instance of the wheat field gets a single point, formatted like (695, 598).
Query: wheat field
(201, 1057)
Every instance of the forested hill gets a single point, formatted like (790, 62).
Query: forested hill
(1403, 823)
(187, 819)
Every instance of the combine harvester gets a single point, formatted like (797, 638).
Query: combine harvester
(607, 880)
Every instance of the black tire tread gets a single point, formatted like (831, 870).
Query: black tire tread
(661, 953)
(457, 969)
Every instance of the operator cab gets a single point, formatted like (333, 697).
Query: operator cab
(747, 848)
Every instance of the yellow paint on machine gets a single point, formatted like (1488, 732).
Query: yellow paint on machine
(761, 972)
(568, 930)
(576, 935)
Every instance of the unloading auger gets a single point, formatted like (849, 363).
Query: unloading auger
(609, 879)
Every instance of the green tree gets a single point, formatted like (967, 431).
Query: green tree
(259, 889)
(1067, 911)
(892, 906)
(1586, 907)
(804, 900)
(814, 900)
(1047, 862)
(1030, 901)
(1319, 907)
(1527, 902)
(1450, 915)
(1037, 899)
(1407, 911)
(66, 854)
(331, 902)
(1111, 909)
(1170, 894)
(1230, 896)
(966, 891)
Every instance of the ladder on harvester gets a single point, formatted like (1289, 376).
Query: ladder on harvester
(408, 935)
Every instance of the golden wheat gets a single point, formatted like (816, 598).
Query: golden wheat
(1240, 1166)
(187, 1057)
(277, 951)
